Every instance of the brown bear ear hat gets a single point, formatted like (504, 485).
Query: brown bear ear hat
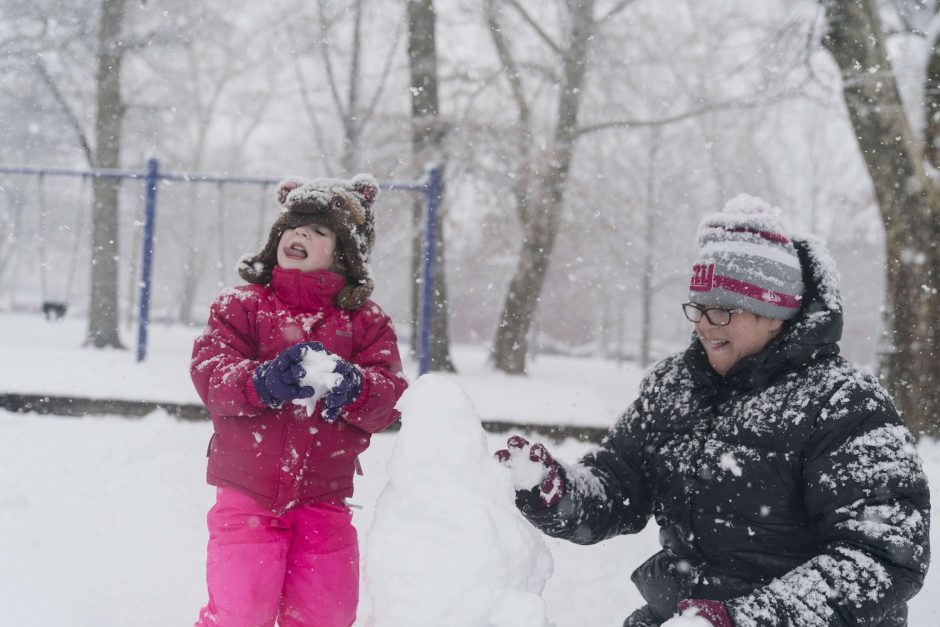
(343, 206)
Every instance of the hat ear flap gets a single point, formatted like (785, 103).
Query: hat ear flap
(367, 188)
(285, 187)
(257, 268)
(354, 295)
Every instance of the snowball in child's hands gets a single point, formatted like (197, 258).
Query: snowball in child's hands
(526, 474)
(320, 375)
(688, 618)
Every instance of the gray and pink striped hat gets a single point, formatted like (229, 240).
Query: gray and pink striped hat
(747, 261)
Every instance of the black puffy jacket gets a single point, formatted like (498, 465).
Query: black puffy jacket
(789, 488)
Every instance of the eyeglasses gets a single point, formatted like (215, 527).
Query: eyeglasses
(717, 316)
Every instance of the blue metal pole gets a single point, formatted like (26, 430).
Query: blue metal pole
(434, 189)
(150, 209)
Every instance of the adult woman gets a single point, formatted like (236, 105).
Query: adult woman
(786, 488)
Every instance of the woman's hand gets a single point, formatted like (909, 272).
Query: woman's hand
(533, 467)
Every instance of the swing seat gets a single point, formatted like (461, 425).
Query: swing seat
(54, 310)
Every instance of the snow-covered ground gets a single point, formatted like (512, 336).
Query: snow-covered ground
(102, 518)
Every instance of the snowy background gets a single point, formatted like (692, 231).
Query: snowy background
(102, 518)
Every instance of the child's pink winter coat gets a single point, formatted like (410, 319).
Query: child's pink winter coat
(283, 457)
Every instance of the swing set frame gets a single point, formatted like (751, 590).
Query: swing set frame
(431, 187)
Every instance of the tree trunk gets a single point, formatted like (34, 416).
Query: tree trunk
(427, 140)
(543, 203)
(10, 221)
(932, 105)
(909, 205)
(649, 251)
(352, 124)
(103, 310)
(195, 261)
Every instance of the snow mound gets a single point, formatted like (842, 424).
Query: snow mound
(447, 545)
(320, 376)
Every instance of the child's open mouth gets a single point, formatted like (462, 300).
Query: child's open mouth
(295, 251)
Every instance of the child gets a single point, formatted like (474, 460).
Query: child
(281, 541)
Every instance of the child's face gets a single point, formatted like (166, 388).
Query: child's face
(307, 248)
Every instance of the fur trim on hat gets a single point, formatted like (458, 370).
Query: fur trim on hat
(343, 206)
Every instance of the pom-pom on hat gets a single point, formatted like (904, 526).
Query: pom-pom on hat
(747, 261)
(343, 206)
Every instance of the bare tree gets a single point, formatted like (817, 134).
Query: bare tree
(75, 55)
(908, 200)
(103, 310)
(356, 109)
(213, 65)
(542, 178)
(101, 148)
(427, 141)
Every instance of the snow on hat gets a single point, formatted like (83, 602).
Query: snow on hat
(343, 206)
(747, 261)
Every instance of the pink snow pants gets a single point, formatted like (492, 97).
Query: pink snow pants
(301, 568)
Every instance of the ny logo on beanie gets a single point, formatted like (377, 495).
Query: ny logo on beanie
(702, 276)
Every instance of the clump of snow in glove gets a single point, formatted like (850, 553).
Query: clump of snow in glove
(447, 545)
(526, 474)
(320, 376)
(688, 618)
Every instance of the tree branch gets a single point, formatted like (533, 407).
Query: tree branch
(255, 119)
(617, 8)
(507, 61)
(909, 28)
(538, 29)
(327, 61)
(309, 108)
(386, 72)
(70, 116)
(810, 48)
(670, 119)
(14, 44)
(351, 122)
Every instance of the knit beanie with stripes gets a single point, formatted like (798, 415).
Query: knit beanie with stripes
(747, 261)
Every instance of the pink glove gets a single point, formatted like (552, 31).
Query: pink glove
(714, 612)
(552, 485)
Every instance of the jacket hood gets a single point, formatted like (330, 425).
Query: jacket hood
(813, 334)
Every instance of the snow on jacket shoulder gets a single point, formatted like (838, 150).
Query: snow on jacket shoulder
(282, 456)
(789, 488)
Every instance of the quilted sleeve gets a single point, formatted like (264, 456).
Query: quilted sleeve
(377, 357)
(224, 356)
